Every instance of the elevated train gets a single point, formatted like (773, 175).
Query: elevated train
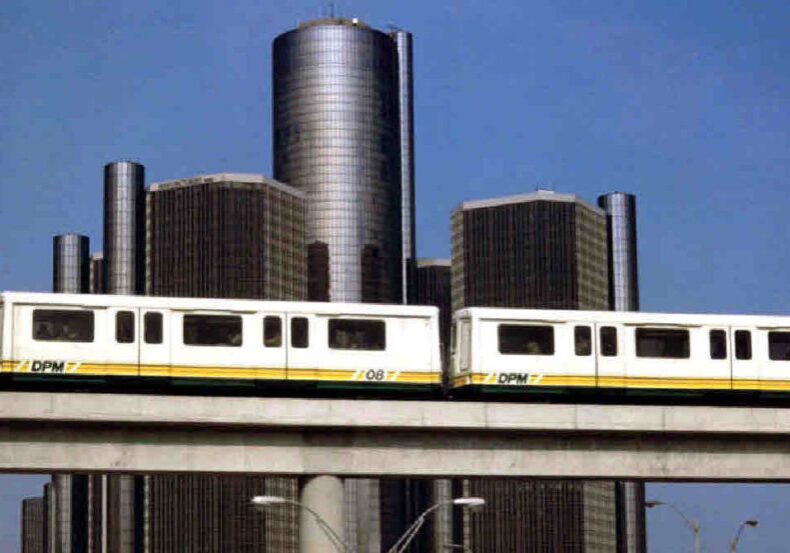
(275, 346)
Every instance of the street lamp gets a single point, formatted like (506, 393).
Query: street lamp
(260, 502)
(734, 541)
(404, 541)
(693, 524)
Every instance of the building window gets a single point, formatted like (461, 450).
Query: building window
(582, 338)
(272, 332)
(300, 332)
(743, 344)
(357, 334)
(718, 344)
(152, 321)
(526, 340)
(779, 346)
(608, 341)
(50, 325)
(212, 330)
(124, 327)
(666, 343)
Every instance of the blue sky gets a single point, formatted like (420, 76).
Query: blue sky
(685, 104)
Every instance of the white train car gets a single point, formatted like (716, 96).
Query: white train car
(509, 349)
(82, 335)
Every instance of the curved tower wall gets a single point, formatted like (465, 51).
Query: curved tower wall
(620, 211)
(403, 45)
(124, 227)
(70, 263)
(337, 138)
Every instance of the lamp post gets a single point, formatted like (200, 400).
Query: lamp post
(260, 502)
(734, 541)
(693, 524)
(404, 541)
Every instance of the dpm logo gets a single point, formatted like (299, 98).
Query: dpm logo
(513, 378)
(47, 366)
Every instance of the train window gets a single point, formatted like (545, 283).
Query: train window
(666, 343)
(51, 325)
(152, 323)
(358, 334)
(124, 327)
(526, 340)
(718, 344)
(272, 332)
(743, 344)
(779, 346)
(300, 332)
(212, 330)
(582, 338)
(608, 341)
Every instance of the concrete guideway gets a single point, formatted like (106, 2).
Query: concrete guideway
(46, 432)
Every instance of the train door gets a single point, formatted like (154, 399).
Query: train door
(155, 335)
(122, 346)
(303, 348)
(610, 355)
(579, 351)
(271, 361)
(745, 369)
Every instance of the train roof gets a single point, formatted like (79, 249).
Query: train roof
(217, 304)
(623, 317)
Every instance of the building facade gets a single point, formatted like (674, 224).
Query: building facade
(342, 134)
(226, 235)
(32, 533)
(539, 250)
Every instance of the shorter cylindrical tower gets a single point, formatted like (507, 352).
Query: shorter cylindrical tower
(620, 211)
(124, 227)
(70, 263)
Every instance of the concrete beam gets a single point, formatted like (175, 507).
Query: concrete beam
(42, 432)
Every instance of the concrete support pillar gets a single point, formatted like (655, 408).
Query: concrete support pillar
(324, 495)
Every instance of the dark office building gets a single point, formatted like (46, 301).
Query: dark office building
(97, 274)
(202, 513)
(32, 528)
(70, 263)
(225, 236)
(432, 287)
(538, 250)
(342, 133)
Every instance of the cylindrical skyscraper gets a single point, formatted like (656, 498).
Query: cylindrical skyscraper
(97, 274)
(620, 211)
(124, 227)
(70, 263)
(336, 124)
(403, 42)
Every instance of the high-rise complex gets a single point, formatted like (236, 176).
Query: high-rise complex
(538, 250)
(225, 236)
(32, 526)
(97, 274)
(124, 227)
(70, 263)
(620, 209)
(342, 134)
